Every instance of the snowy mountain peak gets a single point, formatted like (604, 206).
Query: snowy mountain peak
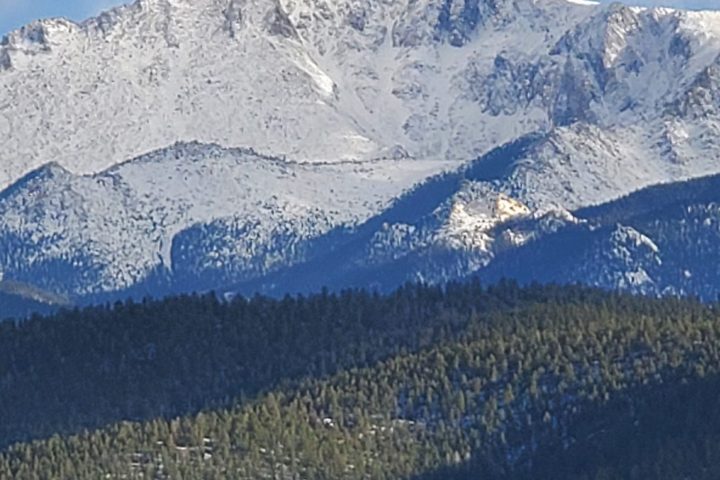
(37, 178)
(329, 81)
(351, 102)
(604, 34)
(37, 37)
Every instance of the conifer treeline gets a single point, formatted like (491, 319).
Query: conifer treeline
(134, 361)
(461, 382)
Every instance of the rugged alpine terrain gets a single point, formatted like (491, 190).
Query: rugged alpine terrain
(181, 209)
(537, 108)
(659, 240)
(312, 81)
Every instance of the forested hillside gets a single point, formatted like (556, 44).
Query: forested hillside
(456, 382)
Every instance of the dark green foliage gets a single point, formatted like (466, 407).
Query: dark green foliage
(87, 368)
(667, 432)
(427, 383)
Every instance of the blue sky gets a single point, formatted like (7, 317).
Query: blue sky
(14, 13)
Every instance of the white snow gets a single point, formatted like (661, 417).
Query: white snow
(143, 76)
(587, 3)
(117, 226)
(357, 100)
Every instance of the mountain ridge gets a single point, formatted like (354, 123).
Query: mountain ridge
(81, 235)
(356, 103)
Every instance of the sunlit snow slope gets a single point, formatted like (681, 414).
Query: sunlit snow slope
(350, 103)
(81, 235)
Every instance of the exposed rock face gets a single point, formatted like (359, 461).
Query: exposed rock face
(351, 103)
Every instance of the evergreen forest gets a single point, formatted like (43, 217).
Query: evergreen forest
(457, 382)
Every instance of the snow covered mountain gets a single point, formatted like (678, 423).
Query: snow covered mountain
(446, 229)
(314, 81)
(320, 81)
(661, 240)
(541, 107)
(83, 235)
